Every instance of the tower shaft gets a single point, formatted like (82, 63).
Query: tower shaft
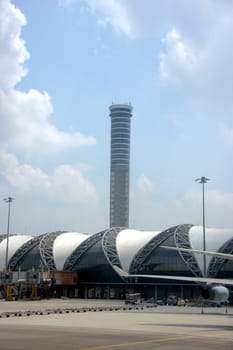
(120, 115)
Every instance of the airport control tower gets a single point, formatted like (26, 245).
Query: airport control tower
(120, 115)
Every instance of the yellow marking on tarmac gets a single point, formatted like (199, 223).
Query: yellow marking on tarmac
(226, 335)
(161, 340)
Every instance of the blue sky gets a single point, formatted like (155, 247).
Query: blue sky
(63, 62)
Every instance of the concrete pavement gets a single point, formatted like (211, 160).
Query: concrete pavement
(162, 327)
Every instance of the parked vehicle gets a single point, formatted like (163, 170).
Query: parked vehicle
(172, 300)
(133, 298)
(181, 302)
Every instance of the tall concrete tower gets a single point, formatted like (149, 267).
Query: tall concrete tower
(120, 115)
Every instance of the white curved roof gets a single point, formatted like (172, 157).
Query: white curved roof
(214, 237)
(129, 242)
(64, 245)
(14, 243)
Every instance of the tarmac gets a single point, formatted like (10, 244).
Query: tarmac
(81, 324)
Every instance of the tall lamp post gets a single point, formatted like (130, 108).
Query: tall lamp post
(203, 180)
(8, 200)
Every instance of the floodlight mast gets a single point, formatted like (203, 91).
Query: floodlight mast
(203, 180)
(8, 200)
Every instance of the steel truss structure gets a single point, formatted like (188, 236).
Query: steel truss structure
(216, 264)
(109, 246)
(22, 251)
(81, 249)
(46, 249)
(181, 238)
(144, 253)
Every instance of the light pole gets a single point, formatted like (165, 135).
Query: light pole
(8, 200)
(202, 181)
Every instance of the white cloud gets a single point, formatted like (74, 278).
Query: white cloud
(179, 59)
(144, 185)
(12, 48)
(135, 18)
(203, 73)
(218, 207)
(162, 209)
(25, 116)
(66, 184)
(69, 184)
(112, 12)
(202, 69)
(26, 127)
(22, 177)
(197, 48)
(151, 18)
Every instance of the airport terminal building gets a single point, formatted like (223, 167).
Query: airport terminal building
(89, 259)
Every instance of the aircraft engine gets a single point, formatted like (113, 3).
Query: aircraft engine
(216, 293)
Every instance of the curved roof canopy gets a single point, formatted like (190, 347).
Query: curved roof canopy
(129, 242)
(127, 248)
(14, 243)
(64, 245)
(215, 238)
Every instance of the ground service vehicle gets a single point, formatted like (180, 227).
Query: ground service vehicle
(133, 298)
